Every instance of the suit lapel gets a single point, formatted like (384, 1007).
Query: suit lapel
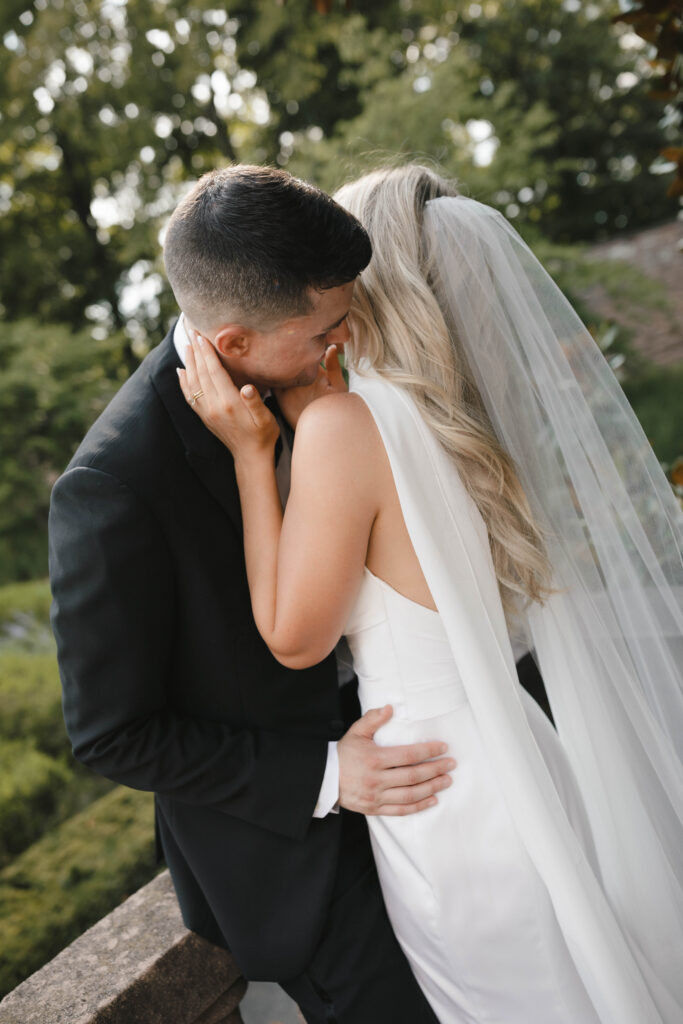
(210, 460)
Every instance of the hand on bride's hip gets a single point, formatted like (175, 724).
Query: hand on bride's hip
(389, 780)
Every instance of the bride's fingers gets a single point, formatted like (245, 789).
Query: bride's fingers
(197, 360)
(212, 374)
(333, 369)
(259, 412)
(184, 386)
(190, 376)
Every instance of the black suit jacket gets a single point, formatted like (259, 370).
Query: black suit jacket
(168, 686)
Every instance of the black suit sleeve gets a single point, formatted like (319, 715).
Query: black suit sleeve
(113, 618)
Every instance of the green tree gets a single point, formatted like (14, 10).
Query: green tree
(660, 23)
(593, 77)
(535, 105)
(111, 106)
(53, 383)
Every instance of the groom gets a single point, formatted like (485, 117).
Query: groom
(261, 775)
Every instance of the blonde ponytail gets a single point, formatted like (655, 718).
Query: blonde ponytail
(399, 328)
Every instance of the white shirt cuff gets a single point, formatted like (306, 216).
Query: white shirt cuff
(328, 798)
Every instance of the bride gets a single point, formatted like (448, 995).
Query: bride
(484, 481)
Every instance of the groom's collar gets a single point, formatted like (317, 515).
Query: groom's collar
(180, 338)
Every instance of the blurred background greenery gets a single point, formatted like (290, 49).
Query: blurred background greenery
(542, 108)
(550, 110)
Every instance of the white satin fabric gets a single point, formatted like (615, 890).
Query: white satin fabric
(496, 893)
(464, 899)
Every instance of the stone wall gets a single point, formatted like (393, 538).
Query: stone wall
(138, 965)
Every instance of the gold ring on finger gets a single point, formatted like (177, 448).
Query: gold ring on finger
(197, 395)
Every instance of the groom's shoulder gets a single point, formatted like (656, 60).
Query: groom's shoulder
(134, 429)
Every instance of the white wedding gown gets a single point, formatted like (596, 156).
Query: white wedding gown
(495, 894)
(463, 897)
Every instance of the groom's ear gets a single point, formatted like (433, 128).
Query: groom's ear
(232, 341)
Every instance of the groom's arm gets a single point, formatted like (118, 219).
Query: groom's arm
(113, 618)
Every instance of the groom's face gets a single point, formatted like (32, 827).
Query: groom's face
(289, 354)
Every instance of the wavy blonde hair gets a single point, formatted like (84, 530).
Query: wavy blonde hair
(398, 326)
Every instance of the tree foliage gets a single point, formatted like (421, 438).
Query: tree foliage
(73, 876)
(660, 23)
(110, 107)
(53, 384)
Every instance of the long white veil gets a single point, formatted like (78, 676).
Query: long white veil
(609, 645)
(608, 642)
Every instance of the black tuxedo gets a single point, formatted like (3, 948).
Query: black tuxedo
(168, 686)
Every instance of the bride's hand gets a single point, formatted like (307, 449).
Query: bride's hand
(237, 417)
(293, 401)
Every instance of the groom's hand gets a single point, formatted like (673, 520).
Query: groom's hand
(388, 780)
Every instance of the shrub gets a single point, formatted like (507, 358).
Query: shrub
(54, 381)
(31, 712)
(30, 786)
(31, 700)
(71, 878)
(24, 616)
(655, 395)
(32, 598)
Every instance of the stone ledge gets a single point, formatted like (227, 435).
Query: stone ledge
(138, 965)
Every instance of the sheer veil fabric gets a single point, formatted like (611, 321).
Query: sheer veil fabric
(609, 644)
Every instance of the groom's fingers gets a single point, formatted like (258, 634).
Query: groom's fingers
(410, 795)
(411, 754)
(394, 757)
(389, 780)
(368, 725)
(417, 774)
(400, 810)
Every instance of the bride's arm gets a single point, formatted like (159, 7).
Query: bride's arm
(303, 573)
(331, 508)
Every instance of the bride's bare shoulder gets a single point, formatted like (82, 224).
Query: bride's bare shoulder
(339, 421)
(339, 451)
(338, 409)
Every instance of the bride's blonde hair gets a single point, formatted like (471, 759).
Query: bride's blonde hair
(398, 326)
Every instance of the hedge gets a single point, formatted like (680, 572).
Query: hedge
(655, 394)
(31, 700)
(24, 617)
(72, 877)
(31, 784)
(31, 598)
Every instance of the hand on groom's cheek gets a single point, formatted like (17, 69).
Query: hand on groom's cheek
(330, 379)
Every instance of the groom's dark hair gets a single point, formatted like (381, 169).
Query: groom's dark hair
(247, 243)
